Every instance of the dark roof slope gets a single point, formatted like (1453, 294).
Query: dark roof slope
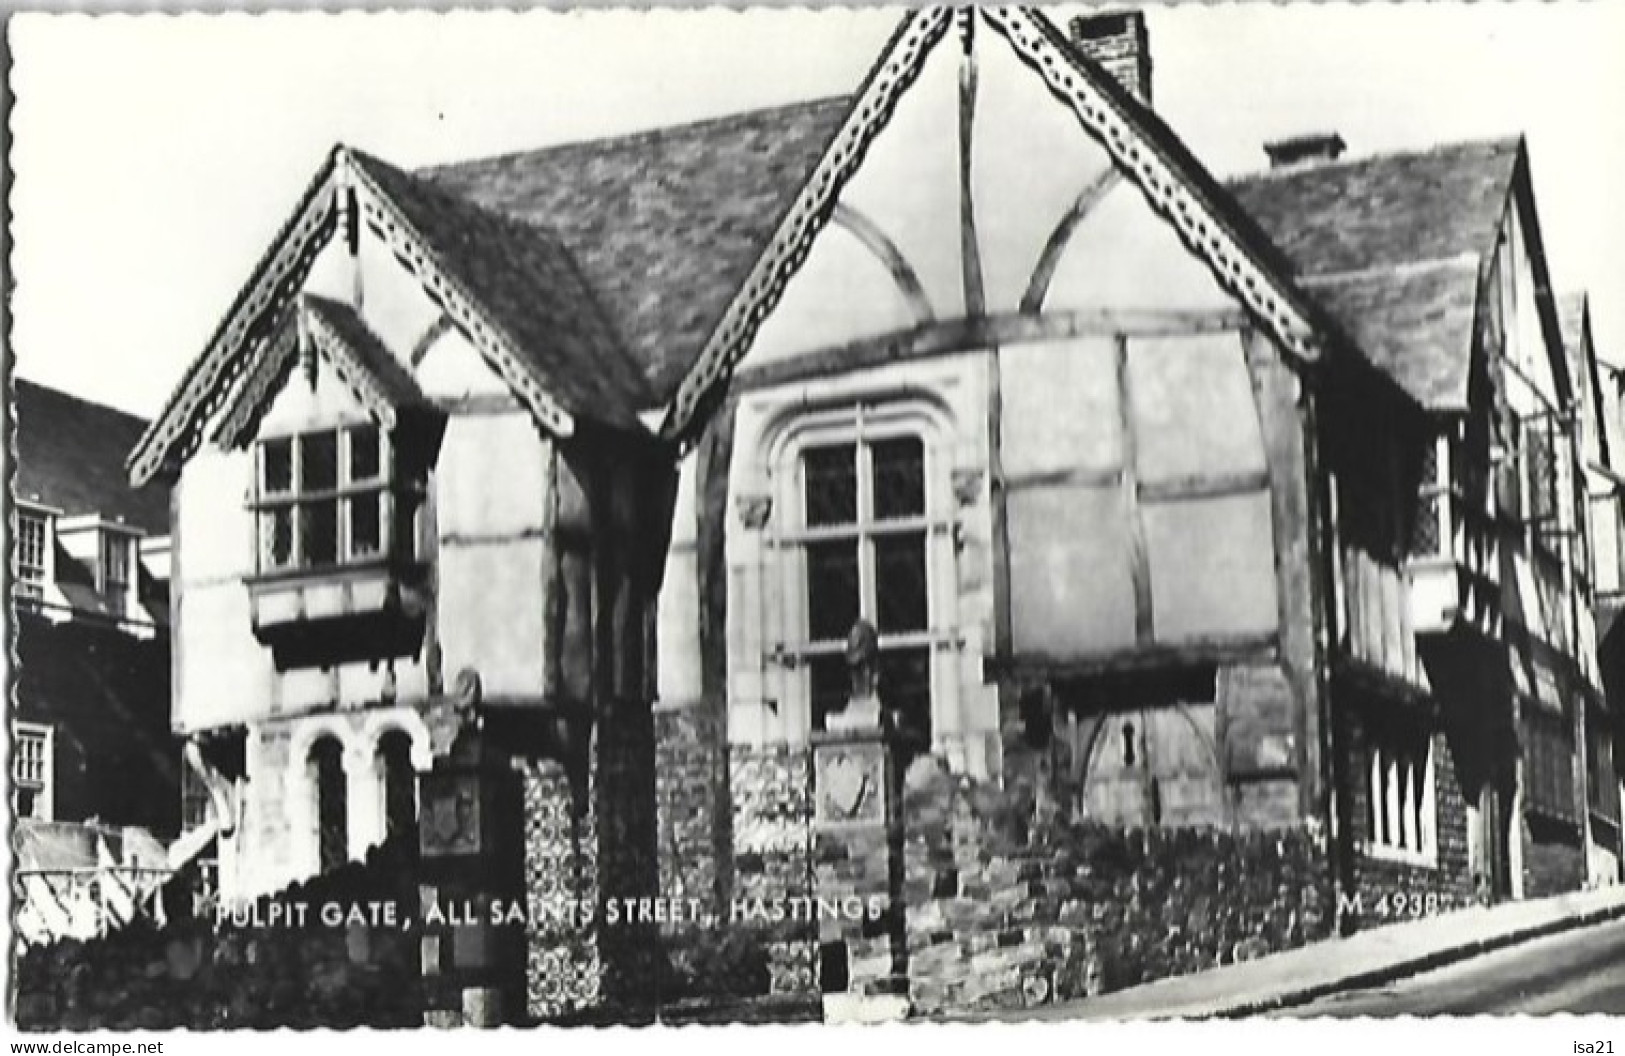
(666, 224)
(522, 275)
(1386, 210)
(1390, 246)
(70, 455)
(1415, 325)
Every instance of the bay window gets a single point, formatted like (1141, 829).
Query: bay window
(327, 499)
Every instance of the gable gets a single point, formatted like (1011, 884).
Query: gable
(1173, 183)
(509, 287)
(365, 376)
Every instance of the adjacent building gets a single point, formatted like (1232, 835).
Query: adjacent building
(95, 774)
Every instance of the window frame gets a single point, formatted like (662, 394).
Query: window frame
(385, 486)
(112, 541)
(25, 585)
(1402, 819)
(863, 423)
(44, 801)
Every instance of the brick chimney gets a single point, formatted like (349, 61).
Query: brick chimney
(1305, 150)
(1118, 41)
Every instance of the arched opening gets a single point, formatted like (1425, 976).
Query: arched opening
(399, 782)
(332, 803)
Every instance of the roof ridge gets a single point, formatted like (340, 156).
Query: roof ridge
(637, 138)
(1505, 142)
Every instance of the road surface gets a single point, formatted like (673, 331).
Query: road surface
(1580, 971)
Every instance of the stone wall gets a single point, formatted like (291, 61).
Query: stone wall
(1010, 909)
(262, 970)
(772, 856)
(691, 798)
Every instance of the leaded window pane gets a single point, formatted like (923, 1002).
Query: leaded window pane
(900, 583)
(276, 459)
(832, 589)
(831, 482)
(366, 461)
(319, 461)
(319, 531)
(365, 537)
(899, 467)
(276, 536)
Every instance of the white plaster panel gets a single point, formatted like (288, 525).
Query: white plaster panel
(1030, 160)
(1194, 408)
(1126, 256)
(214, 525)
(840, 294)
(909, 180)
(491, 613)
(301, 406)
(1212, 567)
(453, 367)
(1060, 407)
(678, 633)
(493, 476)
(1070, 590)
(225, 674)
(392, 299)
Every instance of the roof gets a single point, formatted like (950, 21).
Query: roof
(70, 456)
(1415, 325)
(524, 277)
(1391, 246)
(663, 224)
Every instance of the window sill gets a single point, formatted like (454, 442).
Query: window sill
(1399, 856)
(307, 616)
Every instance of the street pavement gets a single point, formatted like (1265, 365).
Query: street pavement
(1581, 971)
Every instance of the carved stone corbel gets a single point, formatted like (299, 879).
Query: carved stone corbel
(754, 510)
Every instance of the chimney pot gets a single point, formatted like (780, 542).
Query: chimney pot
(1305, 150)
(1118, 41)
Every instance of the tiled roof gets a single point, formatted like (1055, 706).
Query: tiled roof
(522, 276)
(70, 455)
(1416, 325)
(665, 224)
(1387, 210)
(1390, 246)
